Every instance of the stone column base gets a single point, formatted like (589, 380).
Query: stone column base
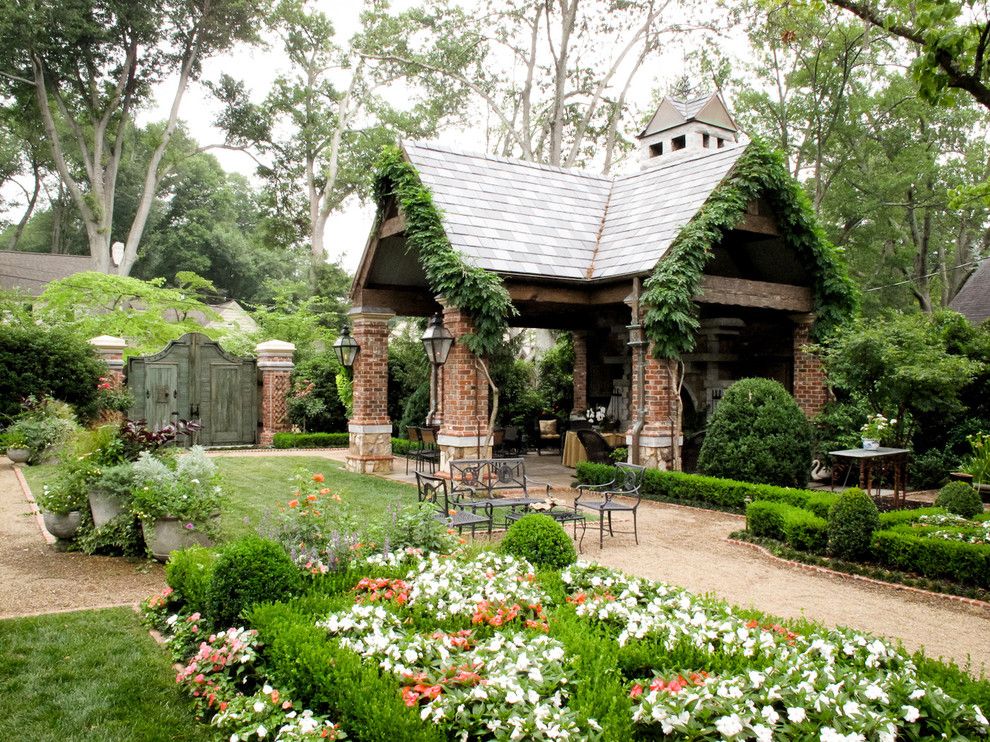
(655, 451)
(370, 449)
(453, 447)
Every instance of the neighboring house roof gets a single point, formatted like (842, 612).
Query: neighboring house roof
(973, 299)
(31, 272)
(233, 317)
(516, 217)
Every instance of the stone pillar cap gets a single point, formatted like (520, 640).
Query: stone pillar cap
(109, 342)
(274, 347)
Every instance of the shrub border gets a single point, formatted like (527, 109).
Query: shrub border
(741, 538)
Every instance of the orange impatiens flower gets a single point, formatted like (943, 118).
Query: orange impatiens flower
(293, 503)
(310, 498)
(318, 477)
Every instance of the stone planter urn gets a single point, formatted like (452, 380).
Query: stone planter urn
(171, 534)
(63, 525)
(19, 455)
(104, 507)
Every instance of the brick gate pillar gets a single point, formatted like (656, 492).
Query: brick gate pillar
(370, 448)
(465, 397)
(659, 400)
(580, 340)
(810, 387)
(275, 368)
(111, 351)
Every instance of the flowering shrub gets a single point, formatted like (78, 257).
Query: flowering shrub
(877, 428)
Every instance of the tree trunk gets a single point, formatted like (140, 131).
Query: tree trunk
(32, 201)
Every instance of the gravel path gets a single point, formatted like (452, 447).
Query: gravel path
(34, 578)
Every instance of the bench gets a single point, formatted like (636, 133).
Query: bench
(494, 483)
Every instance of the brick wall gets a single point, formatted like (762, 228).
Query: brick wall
(580, 375)
(465, 389)
(371, 369)
(661, 413)
(810, 388)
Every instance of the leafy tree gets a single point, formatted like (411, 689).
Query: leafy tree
(952, 38)
(320, 138)
(907, 367)
(144, 313)
(556, 372)
(408, 369)
(90, 64)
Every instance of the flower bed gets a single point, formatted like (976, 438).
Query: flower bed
(433, 647)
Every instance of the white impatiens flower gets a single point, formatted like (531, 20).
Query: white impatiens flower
(796, 714)
(980, 717)
(262, 731)
(919, 693)
(258, 707)
(851, 708)
(763, 733)
(911, 714)
(729, 726)
(770, 714)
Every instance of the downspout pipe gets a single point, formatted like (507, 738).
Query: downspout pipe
(638, 344)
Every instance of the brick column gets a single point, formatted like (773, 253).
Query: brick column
(111, 352)
(370, 449)
(580, 339)
(465, 397)
(660, 429)
(810, 388)
(275, 368)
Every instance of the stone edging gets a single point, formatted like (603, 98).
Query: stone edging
(26, 491)
(861, 578)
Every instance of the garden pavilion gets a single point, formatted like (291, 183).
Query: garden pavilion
(574, 251)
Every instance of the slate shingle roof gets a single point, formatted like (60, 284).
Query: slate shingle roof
(973, 299)
(517, 217)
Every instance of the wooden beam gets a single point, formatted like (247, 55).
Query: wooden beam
(758, 224)
(583, 295)
(740, 292)
(393, 226)
(401, 300)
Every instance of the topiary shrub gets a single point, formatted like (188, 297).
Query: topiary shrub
(251, 570)
(189, 572)
(960, 498)
(758, 434)
(851, 523)
(805, 531)
(541, 540)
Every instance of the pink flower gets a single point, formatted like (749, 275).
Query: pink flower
(190, 526)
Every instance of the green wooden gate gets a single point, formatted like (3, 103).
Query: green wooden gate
(194, 379)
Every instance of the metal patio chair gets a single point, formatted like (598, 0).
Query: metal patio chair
(628, 482)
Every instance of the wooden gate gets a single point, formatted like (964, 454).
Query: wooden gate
(194, 379)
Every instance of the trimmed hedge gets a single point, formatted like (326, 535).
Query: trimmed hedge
(725, 494)
(188, 572)
(900, 517)
(851, 523)
(249, 571)
(541, 540)
(799, 528)
(364, 699)
(900, 548)
(310, 440)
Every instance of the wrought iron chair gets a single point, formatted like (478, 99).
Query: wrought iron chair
(429, 451)
(595, 446)
(415, 446)
(628, 482)
(478, 483)
(433, 490)
(547, 435)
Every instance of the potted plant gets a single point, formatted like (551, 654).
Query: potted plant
(976, 469)
(178, 502)
(877, 427)
(62, 502)
(16, 443)
(110, 493)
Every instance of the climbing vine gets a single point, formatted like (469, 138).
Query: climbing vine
(475, 291)
(671, 322)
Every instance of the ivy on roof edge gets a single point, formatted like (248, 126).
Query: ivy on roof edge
(475, 291)
(671, 321)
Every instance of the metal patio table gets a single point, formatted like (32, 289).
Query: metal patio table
(881, 458)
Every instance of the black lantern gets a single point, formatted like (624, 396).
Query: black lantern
(437, 341)
(345, 347)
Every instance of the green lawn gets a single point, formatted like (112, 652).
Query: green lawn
(256, 485)
(90, 675)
